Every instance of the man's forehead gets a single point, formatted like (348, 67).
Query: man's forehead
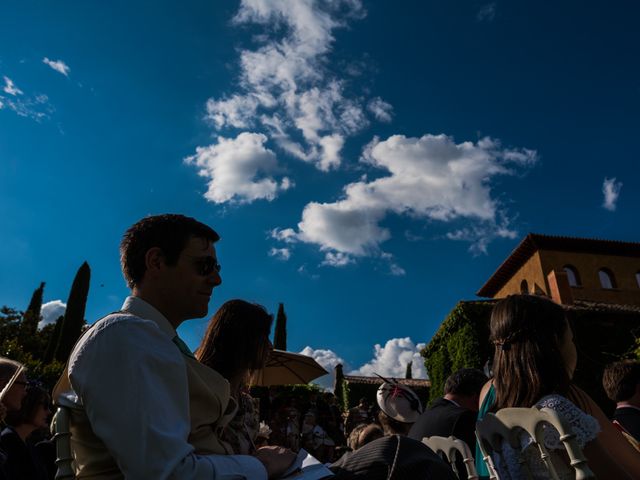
(200, 246)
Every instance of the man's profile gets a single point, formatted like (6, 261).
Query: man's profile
(141, 406)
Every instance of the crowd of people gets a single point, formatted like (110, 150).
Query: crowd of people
(143, 406)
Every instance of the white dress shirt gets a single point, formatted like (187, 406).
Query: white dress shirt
(131, 380)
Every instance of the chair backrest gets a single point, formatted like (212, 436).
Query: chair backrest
(507, 425)
(62, 437)
(449, 446)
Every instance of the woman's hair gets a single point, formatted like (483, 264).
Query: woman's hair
(362, 434)
(7, 369)
(236, 339)
(527, 332)
(34, 398)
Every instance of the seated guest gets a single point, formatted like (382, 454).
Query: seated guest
(356, 415)
(12, 398)
(236, 344)
(455, 413)
(364, 433)
(399, 406)
(23, 462)
(533, 365)
(621, 381)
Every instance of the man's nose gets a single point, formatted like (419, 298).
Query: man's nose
(215, 278)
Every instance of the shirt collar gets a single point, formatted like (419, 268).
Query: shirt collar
(142, 309)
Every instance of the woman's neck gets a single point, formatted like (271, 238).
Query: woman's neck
(24, 431)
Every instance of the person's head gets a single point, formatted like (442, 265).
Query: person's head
(400, 407)
(362, 434)
(236, 342)
(34, 411)
(464, 387)
(13, 399)
(621, 381)
(171, 260)
(534, 350)
(363, 403)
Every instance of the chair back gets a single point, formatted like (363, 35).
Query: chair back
(449, 446)
(62, 437)
(507, 425)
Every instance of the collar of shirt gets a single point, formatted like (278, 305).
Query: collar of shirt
(142, 309)
(452, 401)
(626, 405)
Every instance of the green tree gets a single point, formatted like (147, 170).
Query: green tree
(409, 373)
(73, 321)
(52, 343)
(31, 318)
(280, 333)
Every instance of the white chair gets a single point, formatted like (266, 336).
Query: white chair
(507, 425)
(62, 437)
(449, 446)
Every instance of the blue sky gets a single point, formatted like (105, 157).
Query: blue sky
(367, 163)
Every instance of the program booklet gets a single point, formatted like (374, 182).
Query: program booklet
(306, 467)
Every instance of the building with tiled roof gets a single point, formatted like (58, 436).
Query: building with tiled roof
(568, 269)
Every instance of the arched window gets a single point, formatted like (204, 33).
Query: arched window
(638, 279)
(524, 287)
(607, 280)
(572, 275)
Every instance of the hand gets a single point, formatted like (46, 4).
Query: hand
(275, 459)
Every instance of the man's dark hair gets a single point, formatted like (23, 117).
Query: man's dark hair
(169, 232)
(466, 381)
(620, 380)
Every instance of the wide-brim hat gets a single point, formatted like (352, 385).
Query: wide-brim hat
(399, 402)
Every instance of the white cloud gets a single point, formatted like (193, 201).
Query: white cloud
(392, 359)
(238, 169)
(430, 178)
(10, 87)
(51, 311)
(58, 65)
(381, 110)
(280, 253)
(487, 13)
(611, 191)
(286, 88)
(287, 235)
(328, 359)
(337, 259)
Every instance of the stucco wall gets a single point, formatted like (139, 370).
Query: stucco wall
(532, 272)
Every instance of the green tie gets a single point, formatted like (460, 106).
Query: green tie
(183, 347)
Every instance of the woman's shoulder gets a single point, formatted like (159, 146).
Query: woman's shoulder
(583, 425)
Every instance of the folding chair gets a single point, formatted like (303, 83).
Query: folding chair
(507, 425)
(449, 446)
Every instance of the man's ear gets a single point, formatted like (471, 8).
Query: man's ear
(154, 260)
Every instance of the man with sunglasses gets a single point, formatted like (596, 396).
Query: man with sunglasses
(141, 405)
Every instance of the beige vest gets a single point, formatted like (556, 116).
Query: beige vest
(210, 409)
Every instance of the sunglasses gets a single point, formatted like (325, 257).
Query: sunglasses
(205, 266)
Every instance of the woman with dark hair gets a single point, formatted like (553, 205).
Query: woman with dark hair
(236, 344)
(23, 462)
(533, 364)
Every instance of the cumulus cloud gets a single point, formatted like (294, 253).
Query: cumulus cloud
(286, 88)
(328, 359)
(611, 191)
(392, 359)
(429, 178)
(10, 87)
(51, 311)
(487, 13)
(58, 65)
(280, 253)
(238, 169)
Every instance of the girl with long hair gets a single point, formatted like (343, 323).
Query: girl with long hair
(533, 364)
(236, 344)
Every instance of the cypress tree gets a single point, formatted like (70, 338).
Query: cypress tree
(73, 320)
(338, 390)
(408, 373)
(53, 341)
(280, 333)
(31, 317)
